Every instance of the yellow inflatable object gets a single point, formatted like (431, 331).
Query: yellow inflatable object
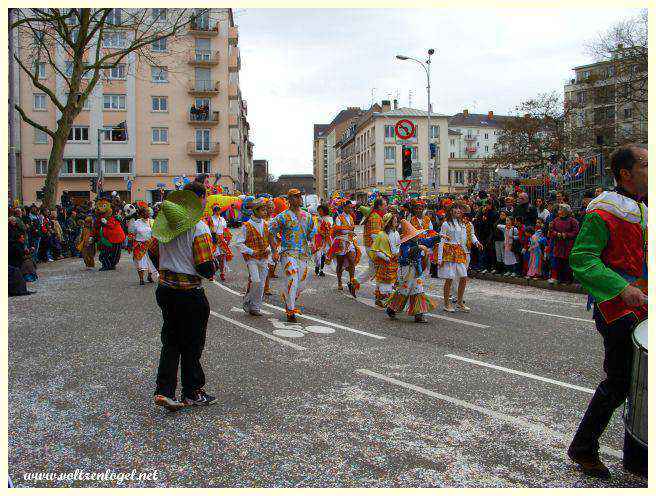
(222, 201)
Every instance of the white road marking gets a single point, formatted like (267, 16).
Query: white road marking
(372, 304)
(241, 310)
(524, 374)
(308, 317)
(257, 331)
(537, 429)
(554, 315)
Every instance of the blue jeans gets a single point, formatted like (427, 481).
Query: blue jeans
(35, 255)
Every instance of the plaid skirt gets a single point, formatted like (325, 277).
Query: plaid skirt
(386, 271)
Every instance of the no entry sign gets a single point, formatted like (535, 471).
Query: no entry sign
(404, 129)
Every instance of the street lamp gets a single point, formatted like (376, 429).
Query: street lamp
(426, 66)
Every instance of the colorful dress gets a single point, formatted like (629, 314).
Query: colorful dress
(536, 243)
(323, 238)
(143, 239)
(453, 253)
(253, 243)
(384, 254)
(344, 238)
(509, 236)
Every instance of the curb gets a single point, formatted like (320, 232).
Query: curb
(563, 288)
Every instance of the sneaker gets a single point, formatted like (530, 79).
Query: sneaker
(420, 319)
(463, 308)
(551, 281)
(199, 398)
(255, 313)
(171, 404)
(351, 288)
(449, 309)
(484, 271)
(222, 276)
(291, 317)
(590, 465)
(245, 307)
(390, 313)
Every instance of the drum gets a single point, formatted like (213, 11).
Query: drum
(635, 413)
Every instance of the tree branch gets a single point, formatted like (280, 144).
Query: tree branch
(33, 123)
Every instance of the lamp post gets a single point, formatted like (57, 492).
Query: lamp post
(426, 66)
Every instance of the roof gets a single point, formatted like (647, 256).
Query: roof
(454, 132)
(319, 130)
(478, 120)
(408, 112)
(296, 176)
(343, 115)
(594, 64)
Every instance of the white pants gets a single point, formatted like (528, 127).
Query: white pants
(145, 264)
(296, 275)
(257, 270)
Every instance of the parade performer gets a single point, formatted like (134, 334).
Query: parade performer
(323, 239)
(297, 231)
(344, 247)
(419, 219)
(185, 258)
(453, 255)
(413, 262)
(222, 251)
(275, 249)
(609, 259)
(373, 224)
(108, 235)
(384, 253)
(141, 228)
(254, 245)
(84, 246)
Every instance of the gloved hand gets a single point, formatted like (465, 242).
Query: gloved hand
(103, 221)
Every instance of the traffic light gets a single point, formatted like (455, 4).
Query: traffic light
(94, 184)
(406, 154)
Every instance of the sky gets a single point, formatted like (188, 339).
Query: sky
(301, 66)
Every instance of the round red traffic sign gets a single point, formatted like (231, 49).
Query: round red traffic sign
(404, 129)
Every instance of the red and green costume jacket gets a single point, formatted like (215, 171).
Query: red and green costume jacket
(610, 253)
(108, 234)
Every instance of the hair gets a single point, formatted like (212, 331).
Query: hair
(624, 158)
(378, 202)
(565, 207)
(449, 213)
(529, 230)
(388, 226)
(143, 210)
(197, 188)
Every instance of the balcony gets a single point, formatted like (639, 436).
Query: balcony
(233, 120)
(234, 151)
(202, 149)
(203, 58)
(202, 87)
(470, 149)
(471, 138)
(233, 92)
(234, 63)
(233, 35)
(199, 119)
(202, 27)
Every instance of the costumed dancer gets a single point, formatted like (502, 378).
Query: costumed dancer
(323, 239)
(419, 219)
(373, 224)
(84, 246)
(222, 253)
(141, 228)
(609, 259)
(344, 247)
(108, 234)
(254, 245)
(413, 262)
(297, 231)
(453, 255)
(384, 253)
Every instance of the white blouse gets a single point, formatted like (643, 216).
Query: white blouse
(141, 230)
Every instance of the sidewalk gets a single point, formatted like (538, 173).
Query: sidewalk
(521, 281)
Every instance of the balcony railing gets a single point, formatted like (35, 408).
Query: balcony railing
(204, 57)
(203, 86)
(201, 118)
(197, 148)
(203, 27)
(471, 138)
(233, 35)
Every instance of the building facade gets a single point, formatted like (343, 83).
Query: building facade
(183, 116)
(303, 182)
(320, 159)
(260, 176)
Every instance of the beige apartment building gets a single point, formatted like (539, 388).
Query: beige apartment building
(320, 159)
(184, 116)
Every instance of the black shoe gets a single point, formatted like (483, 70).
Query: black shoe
(199, 398)
(322, 274)
(590, 464)
(316, 271)
(141, 283)
(101, 269)
(420, 319)
(390, 313)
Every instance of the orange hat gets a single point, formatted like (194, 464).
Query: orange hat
(408, 231)
(293, 192)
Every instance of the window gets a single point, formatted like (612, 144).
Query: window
(159, 74)
(610, 113)
(586, 74)
(114, 17)
(459, 177)
(39, 101)
(118, 165)
(113, 102)
(40, 70)
(159, 45)
(452, 155)
(79, 133)
(41, 166)
(160, 103)
(40, 137)
(39, 37)
(202, 139)
(627, 113)
(487, 136)
(487, 148)
(158, 14)
(203, 166)
(161, 166)
(83, 165)
(452, 142)
(117, 72)
(160, 135)
(610, 71)
(68, 69)
(390, 154)
(115, 134)
(389, 132)
(580, 98)
(114, 39)
(435, 131)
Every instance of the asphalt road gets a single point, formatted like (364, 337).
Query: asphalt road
(345, 398)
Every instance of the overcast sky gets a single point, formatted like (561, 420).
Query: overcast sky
(300, 67)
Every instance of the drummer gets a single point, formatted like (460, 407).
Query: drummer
(609, 259)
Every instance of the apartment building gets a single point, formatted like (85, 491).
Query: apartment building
(471, 139)
(369, 152)
(320, 159)
(260, 176)
(183, 116)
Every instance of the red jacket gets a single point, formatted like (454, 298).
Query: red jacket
(570, 228)
(112, 231)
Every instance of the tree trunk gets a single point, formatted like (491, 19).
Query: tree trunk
(54, 166)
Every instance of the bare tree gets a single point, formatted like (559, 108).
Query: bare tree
(92, 42)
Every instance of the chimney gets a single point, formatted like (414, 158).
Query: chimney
(490, 115)
(465, 113)
(396, 104)
(386, 105)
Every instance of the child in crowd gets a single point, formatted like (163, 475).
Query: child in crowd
(499, 249)
(510, 235)
(535, 248)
